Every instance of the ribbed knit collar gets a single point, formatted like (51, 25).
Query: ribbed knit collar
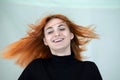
(62, 59)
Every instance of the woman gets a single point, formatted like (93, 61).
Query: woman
(52, 51)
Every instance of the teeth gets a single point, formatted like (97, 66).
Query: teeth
(58, 40)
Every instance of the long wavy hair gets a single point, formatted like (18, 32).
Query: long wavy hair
(32, 45)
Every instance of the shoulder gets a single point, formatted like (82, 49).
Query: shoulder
(91, 67)
(39, 62)
(35, 63)
(32, 70)
(89, 64)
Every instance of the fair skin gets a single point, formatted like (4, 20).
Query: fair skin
(58, 37)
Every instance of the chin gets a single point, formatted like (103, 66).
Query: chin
(59, 48)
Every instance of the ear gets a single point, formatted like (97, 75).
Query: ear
(72, 36)
(45, 42)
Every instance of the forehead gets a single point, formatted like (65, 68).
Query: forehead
(53, 22)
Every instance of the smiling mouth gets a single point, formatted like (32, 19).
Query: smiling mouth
(58, 40)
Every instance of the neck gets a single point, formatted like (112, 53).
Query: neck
(61, 52)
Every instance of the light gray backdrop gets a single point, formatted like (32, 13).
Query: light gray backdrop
(104, 14)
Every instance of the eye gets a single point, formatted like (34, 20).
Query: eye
(62, 27)
(49, 32)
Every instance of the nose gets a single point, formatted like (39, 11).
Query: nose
(57, 33)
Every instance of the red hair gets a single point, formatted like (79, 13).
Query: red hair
(32, 46)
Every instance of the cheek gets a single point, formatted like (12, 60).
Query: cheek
(71, 35)
(47, 38)
(45, 41)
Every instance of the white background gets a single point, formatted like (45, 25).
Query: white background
(104, 14)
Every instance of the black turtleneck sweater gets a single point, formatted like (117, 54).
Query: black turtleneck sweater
(60, 68)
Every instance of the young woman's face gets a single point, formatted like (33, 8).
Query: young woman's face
(57, 35)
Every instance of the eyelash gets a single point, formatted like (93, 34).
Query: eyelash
(49, 32)
(62, 29)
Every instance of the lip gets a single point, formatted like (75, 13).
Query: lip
(57, 40)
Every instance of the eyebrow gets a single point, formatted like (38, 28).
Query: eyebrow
(48, 28)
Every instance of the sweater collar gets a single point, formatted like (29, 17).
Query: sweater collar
(62, 59)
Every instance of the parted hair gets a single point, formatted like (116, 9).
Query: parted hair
(32, 46)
